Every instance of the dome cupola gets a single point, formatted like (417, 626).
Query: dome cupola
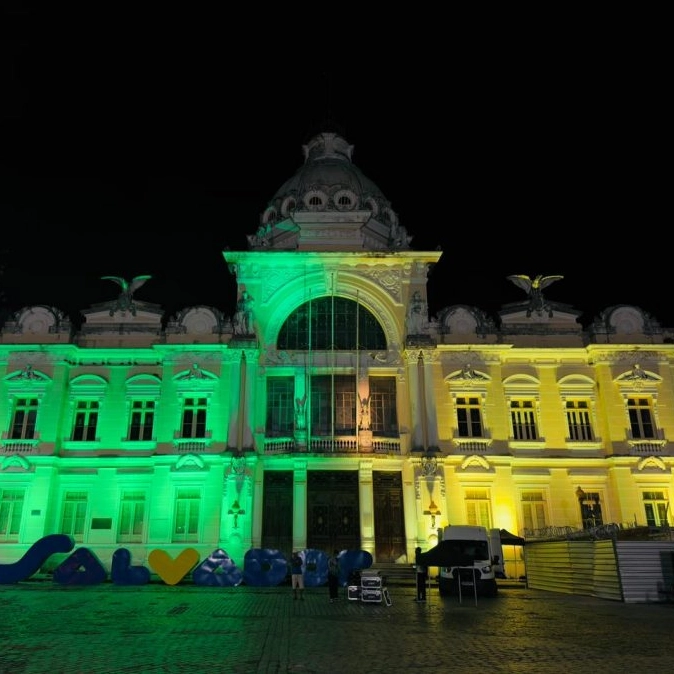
(329, 204)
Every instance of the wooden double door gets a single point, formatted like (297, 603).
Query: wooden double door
(333, 512)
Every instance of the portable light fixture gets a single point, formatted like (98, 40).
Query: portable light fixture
(236, 511)
(433, 511)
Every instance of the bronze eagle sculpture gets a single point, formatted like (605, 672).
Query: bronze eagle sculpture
(125, 298)
(534, 289)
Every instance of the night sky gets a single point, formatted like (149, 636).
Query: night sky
(126, 154)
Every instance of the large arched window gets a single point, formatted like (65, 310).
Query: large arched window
(331, 323)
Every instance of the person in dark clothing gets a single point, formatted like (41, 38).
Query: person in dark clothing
(422, 576)
(333, 576)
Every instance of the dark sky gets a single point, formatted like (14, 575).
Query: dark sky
(125, 154)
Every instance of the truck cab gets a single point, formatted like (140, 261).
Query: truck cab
(474, 561)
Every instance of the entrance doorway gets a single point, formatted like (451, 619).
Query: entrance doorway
(333, 518)
(277, 512)
(389, 520)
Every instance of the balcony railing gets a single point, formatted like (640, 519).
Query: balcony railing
(646, 447)
(340, 445)
(190, 445)
(348, 444)
(386, 445)
(20, 446)
(472, 445)
(279, 445)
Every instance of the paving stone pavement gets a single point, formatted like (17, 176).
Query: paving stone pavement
(157, 628)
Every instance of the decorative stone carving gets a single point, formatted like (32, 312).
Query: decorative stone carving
(243, 318)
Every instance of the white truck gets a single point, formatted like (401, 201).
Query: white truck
(474, 558)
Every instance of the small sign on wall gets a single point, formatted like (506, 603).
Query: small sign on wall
(101, 522)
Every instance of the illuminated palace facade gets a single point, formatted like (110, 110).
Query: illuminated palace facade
(330, 411)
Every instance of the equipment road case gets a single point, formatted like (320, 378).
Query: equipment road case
(370, 578)
(368, 594)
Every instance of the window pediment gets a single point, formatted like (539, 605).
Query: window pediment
(27, 382)
(468, 375)
(638, 377)
(90, 385)
(143, 385)
(27, 376)
(16, 462)
(521, 385)
(577, 386)
(474, 461)
(195, 379)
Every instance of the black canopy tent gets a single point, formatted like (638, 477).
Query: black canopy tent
(516, 541)
(443, 554)
(510, 539)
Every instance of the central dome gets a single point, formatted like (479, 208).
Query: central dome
(329, 191)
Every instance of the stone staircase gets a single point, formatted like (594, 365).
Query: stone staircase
(396, 574)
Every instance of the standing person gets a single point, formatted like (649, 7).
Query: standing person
(333, 576)
(422, 576)
(297, 575)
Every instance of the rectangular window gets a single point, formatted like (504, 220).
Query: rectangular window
(478, 508)
(131, 517)
(640, 414)
(280, 407)
(469, 417)
(333, 405)
(86, 420)
(656, 507)
(523, 418)
(194, 418)
(533, 510)
(578, 420)
(383, 410)
(142, 420)
(23, 419)
(590, 509)
(345, 405)
(186, 516)
(74, 514)
(11, 512)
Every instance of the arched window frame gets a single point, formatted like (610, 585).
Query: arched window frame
(524, 388)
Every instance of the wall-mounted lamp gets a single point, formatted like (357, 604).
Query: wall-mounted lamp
(236, 511)
(433, 511)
